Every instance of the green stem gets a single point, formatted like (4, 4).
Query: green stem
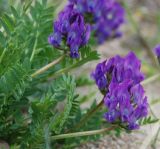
(62, 71)
(34, 47)
(84, 133)
(45, 68)
(152, 113)
(155, 139)
(67, 69)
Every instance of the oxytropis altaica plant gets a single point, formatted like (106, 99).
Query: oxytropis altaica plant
(39, 104)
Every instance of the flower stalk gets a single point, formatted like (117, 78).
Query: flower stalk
(34, 48)
(84, 133)
(45, 68)
(58, 73)
(65, 70)
(141, 38)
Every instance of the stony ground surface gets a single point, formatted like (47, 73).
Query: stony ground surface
(111, 142)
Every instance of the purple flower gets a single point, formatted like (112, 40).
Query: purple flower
(112, 115)
(119, 80)
(106, 16)
(157, 50)
(122, 99)
(55, 39)
(71, 28)
(116, 70)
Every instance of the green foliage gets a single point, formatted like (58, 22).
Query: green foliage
(87, 97)
(82, 81)
(98, 116)
(44, 114)
(148, 120)
(14, 80)
(25, 34)
(91, 124)
(29, 108)
(63, 116)
(33, 109)
(12, 87)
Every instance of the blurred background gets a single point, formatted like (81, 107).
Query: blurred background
(141, 32)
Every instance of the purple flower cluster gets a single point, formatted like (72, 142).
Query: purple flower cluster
(119, 80)
(118, 69)
(107, 16)
(70, 27)
(104, 18)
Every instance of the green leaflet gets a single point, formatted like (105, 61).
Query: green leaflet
(14, 12)
(5, 26)
(14, 81)
(2, 39)
(45, 117)
(148, 120)
(89, 125)
(60, 120)
(9, 21)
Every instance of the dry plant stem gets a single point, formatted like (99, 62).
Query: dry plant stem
(139, 34)
(84, 133)
(155, 139)
(148, 49)
(45, 68)
(151, 79)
